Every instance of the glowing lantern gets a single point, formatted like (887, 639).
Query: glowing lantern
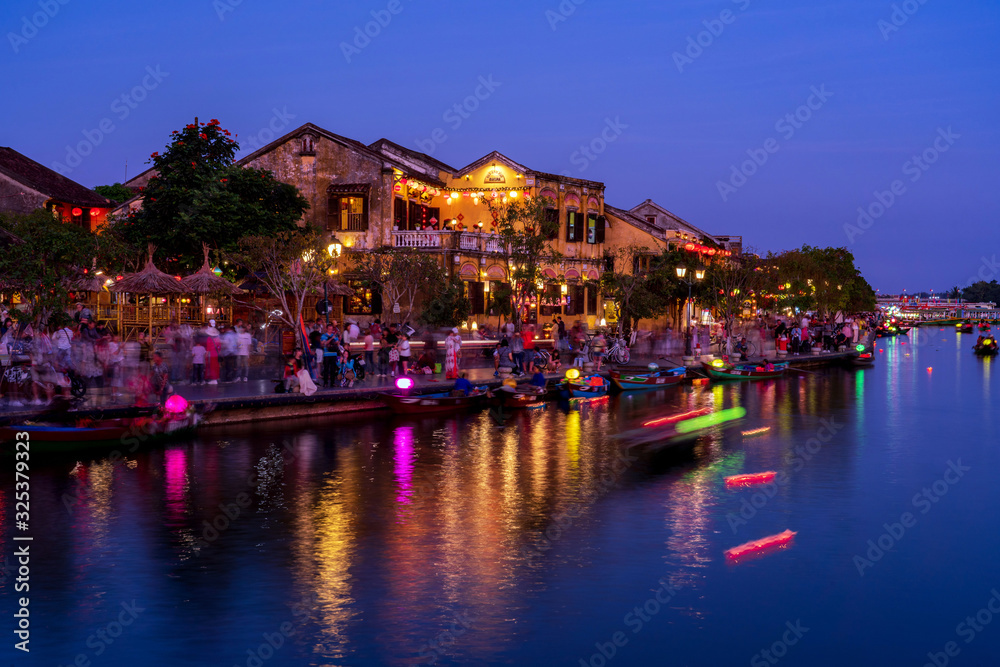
(176, 405)
(689, 247)
(217, 271)
(572, 374)
(77, 211)
(404, 383)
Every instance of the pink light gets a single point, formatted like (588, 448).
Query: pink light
(404, 383)
(176, 404)
(765, 544)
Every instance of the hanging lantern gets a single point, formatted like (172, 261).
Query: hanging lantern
(77, 211)
(217, 271)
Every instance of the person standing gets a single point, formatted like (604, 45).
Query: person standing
(404, 352)
(212, 353)
(244, 341)
(452, 352)
(330, 344)
(369, 351)
(517, 350)
(198, 354)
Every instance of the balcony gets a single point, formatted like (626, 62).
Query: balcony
(428, 239)
(472, 242)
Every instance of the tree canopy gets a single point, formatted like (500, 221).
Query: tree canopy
(199, 195)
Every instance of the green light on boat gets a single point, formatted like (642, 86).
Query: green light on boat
(859, 348)
(713, 419)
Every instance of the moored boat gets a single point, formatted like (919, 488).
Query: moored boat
(521, 398)
(634, 378)
(590, 386)
(54, 438)
(861, 359)
(964, 327)
(743, 371)
(436, 403)
(938, 323)
(984, 327)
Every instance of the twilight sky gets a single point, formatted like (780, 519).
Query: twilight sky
(674, 100)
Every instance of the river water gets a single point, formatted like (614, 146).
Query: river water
(377, 540)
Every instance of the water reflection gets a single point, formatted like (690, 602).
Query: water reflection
(394, 528)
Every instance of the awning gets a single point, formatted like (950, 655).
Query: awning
(593, 274)
(572, 274)
(550, 274)
(496, 272)
(469, 271)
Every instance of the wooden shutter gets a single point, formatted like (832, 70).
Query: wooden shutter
(552, 219)
(399, 213)
(477, 298)
(333, 214)
(570, 225)
(578, 233)
(601, 223)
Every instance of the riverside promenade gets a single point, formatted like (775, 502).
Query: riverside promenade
(238, 402)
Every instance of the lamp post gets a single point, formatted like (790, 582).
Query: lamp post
(334, 250)
(682, 274)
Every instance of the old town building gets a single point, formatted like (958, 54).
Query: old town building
(383, 194)
(26, 186)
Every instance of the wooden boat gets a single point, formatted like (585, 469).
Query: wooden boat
(106, 434)
(588, 387)
(522, 398)
(903, 331)
(964, 327)
(861, 359)
(436, 403)
(628, 378)
(986, 347)
(743, 371)
(984, 327)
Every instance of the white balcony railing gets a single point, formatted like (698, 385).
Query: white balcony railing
(428, 239)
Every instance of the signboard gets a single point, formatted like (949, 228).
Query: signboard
(494, 175)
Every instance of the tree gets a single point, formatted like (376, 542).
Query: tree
(634, 280)
(41, 255)
(524, 232)
(292, 265)
(200, 195)
(734, 280)
(400, 274)
(449, 306)
(117, 193)
(821, 279)
(982, 292)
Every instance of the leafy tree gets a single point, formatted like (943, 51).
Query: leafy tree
(982, 292)
(40, 256)
(291, 264)
(448, 307)
(821, 279)
(200, 195)
(116, 193)
(523, 233)
(400, 273)
(633, 280)
(734, 280)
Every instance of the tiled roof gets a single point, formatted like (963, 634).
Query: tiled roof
(50, 183)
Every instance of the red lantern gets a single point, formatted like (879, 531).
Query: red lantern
(689, 247)
(711, 252)
(403, 181)
(77, 211)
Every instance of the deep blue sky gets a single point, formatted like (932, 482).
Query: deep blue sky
(558, 87)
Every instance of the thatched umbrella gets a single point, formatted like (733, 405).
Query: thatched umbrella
(334, 288)
(149, 281)
(206, 282)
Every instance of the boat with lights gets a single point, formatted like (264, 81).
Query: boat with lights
(964, 327)
(987, 347)
(718, 370)
(590, 386)
(632, 378)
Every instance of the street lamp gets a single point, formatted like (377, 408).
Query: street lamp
(682, 274)
(334, 251)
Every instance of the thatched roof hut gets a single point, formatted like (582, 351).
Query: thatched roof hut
(334, 288)
(148, 281)
(85, 282)
(204, 281)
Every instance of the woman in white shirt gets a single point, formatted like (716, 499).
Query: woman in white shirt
(404, 351)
